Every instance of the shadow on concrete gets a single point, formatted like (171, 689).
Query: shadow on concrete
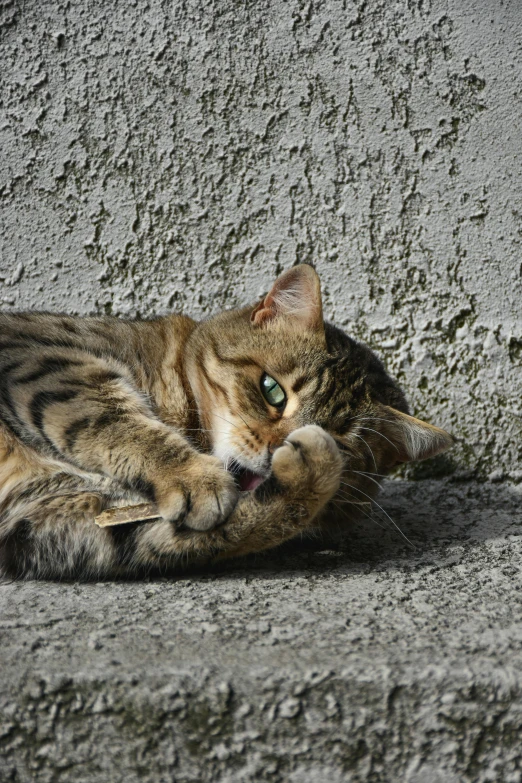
(432, 515)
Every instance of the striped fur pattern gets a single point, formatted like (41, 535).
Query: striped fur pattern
(102, 412)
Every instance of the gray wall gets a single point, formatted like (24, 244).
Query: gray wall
(165, 155)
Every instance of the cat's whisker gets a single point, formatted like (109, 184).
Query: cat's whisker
(353, 501)
(372, 418)
(369, 473)
(367, 446)
(223, 419)
(343, 493)
(195, 410)
(382, 436)
(344, 447)
(360, 510)
(368, 477)
(385, 513)
(343, 499)
(366, 514)
(244, 422)
(339, 507)
(372, 519)
(231, 423)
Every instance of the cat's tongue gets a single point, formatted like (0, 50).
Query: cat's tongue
(246, 479)
(249, 480)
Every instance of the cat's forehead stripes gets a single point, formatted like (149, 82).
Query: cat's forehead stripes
(238, 359)
(331, 391)
(301, 381)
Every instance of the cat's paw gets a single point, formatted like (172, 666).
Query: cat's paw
(309, 462)
(199, 497)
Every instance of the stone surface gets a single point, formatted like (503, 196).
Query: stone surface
(159, 156)
(369, 661)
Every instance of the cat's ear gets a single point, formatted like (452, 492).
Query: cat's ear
(295, 295)
(415, 439)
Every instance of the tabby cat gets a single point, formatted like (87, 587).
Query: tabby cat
(241, 429)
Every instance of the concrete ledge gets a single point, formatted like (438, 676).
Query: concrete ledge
(364, 662)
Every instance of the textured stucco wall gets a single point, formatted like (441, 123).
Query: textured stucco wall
(159, 155)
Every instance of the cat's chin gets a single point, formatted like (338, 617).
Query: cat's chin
(246, 479)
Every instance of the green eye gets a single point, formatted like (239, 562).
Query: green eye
(272, 392)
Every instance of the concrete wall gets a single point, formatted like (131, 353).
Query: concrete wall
(164, 155)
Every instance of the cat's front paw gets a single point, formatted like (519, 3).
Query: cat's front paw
(201, 496)
(310, 463)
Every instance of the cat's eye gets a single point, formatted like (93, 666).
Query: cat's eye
(272, 392)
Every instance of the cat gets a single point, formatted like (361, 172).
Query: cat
(242, 428)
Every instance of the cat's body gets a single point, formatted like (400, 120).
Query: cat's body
(99, 412)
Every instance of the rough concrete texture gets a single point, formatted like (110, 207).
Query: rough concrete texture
(368, 662)
(160, 155)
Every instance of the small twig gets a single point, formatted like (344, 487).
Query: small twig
(126, 514)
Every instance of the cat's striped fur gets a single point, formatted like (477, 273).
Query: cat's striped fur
(101, 412)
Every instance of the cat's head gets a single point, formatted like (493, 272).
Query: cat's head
(263, 371)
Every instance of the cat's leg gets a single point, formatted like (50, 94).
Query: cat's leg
(87, 410)
(306, 472)
(54, 535)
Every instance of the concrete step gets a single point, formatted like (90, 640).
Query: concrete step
(366, 661)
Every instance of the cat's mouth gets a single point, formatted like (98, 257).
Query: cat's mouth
(246, 479)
